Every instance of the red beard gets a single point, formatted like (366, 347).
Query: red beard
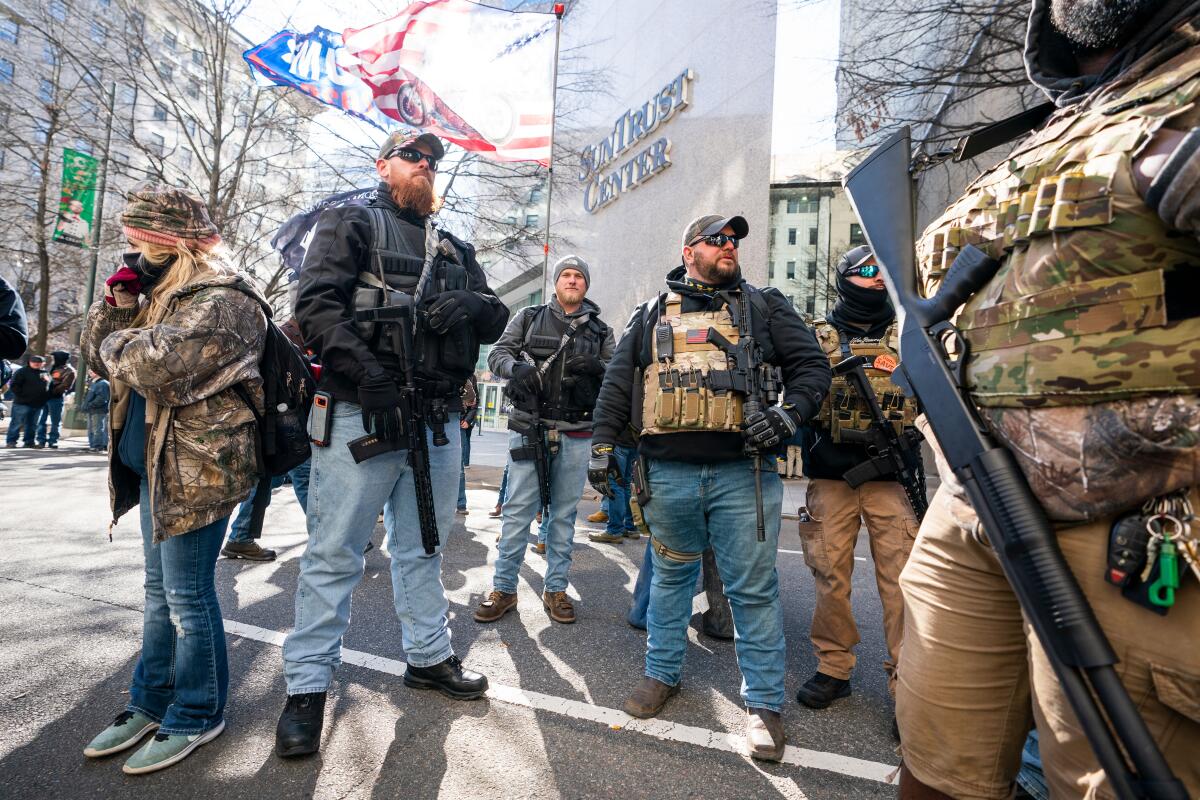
(415, 194)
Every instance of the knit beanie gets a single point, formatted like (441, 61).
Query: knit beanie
(167, 215)
(572, 262)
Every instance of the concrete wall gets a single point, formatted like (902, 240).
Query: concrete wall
(719, 144)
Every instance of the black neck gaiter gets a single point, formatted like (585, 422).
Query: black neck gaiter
(866, 312)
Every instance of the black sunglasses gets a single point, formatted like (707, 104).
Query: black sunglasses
(716, 240)
(866, 270)
(413, 156)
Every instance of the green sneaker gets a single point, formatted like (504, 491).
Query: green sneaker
(166, 749)
(125, 731)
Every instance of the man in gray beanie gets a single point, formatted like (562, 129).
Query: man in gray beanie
(553, 356)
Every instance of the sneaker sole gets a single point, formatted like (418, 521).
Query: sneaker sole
(128, 743)
(422, 683)
(230, 554)
(802, 699)
(205, 738)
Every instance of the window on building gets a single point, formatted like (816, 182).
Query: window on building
(189, 125)
(46, 90)
(171, 41)
(535, 298)
(58, 10)
(531, 220)
(87, 110)
(105, 3)
(168, 72)
(160, 112)
(770, 270)
(791, 270)
(810, 305)
(157, 145)
(771, 238)
(197, 57)
(126, 94)
(6, 71)
(50, 55)
(856, 235)
(812, 236)
(99, 32)
(193, 90)
(185, 159)
(9, 30)
(137, 21)
(537, 195)
(41, 131)
(791, 235)
(793, 205)
(811, 267)
(511, 219)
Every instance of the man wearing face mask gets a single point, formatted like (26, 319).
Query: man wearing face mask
(861, 324)
(1082, 361)
(672, 379)
(386, 253)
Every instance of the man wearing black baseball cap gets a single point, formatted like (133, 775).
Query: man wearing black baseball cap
(685, 394)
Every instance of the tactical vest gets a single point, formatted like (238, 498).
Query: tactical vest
(1078, 312)
(573, 399)
(687, 386)
(843, 408)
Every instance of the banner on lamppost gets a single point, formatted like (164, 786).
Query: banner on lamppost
(76, 204)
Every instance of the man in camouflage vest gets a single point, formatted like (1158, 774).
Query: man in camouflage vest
(861, 323)
(1083, 354)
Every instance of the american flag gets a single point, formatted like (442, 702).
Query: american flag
(477, 76)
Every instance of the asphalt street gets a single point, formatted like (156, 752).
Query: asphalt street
(551, 726)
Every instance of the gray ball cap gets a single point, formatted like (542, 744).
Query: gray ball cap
(403, 137)
(855, 257)
(711, 224)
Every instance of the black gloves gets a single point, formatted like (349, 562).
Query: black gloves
(452, 309)
(603, 470)
(584, 364)
(766, 429)
(525, 380)
(380, 401)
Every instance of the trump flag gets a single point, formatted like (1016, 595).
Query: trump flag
(474, 75)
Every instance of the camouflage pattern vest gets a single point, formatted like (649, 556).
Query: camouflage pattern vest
(683, 386)
(1078, 313)
(843, 408)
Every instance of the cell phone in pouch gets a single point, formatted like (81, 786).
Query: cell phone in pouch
(320, 419)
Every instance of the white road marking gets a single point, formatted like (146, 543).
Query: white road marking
(613, 718)
(801, 552)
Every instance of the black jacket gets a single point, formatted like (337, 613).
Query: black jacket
(30, 387)
(785, 340)
(13, 329)
(340, 249)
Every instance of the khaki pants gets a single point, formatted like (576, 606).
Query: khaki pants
(794, 459)
(838, 513)
(973, 678)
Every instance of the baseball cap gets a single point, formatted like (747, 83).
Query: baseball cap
(711, 224)
(854, 257)
(404, 137)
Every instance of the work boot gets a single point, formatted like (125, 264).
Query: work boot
(496, 605)
(449, 678)
(648, 698)
(299, 730)
(251, 551)
(821, 690)
(539, 548)
(632, 533)
(497, 511)
(599, 516)
(559, 606)
(462, 512)
(764, 734)
(606, 537)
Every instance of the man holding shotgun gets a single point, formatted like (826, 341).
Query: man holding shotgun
(1065, 594)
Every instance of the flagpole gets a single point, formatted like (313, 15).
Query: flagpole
(558, 15)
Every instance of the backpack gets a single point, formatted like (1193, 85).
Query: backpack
(281, 441)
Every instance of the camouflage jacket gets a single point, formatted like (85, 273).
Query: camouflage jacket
(200, 436)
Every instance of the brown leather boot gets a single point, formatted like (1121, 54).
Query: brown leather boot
(495, 606)
(648, 698)
(559, 606)
(764, 734)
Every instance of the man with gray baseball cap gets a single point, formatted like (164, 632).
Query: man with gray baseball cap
(674, 380)
(553, 356)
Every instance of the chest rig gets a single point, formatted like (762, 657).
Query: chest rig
(564, 397)
(843, 409)
(1090, 303)
(688, 386)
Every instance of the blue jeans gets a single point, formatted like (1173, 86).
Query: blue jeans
(240, 530)
(620, 518)
(23, 418)
(641, 591)
(182, 676)
(465, 437)
(568, 471)
(697, 506)
(344, 501)
(97, 430)
(51, 412)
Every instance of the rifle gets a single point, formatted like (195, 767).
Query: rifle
(535, 433)
(894, 453)
(880, 190)
(757, 381)
(397, 314)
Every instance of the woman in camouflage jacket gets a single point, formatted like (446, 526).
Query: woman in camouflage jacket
(177, 330)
